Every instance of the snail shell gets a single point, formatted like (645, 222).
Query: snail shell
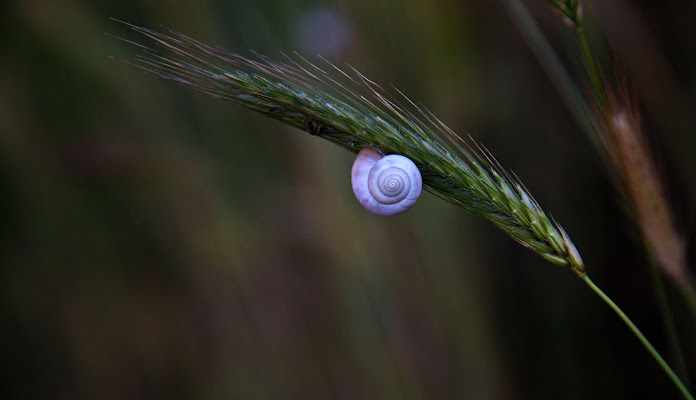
(385, 185)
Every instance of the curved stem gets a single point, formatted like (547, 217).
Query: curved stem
(677, 382)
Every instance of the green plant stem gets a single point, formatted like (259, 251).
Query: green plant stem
(668, 322)
(688, 290)
(552, 65)
(591, 68)
(675, 379)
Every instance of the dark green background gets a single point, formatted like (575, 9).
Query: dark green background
(158, 243)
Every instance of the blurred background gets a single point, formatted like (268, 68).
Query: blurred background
(158, 243)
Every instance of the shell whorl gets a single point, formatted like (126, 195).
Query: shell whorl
(385, 185)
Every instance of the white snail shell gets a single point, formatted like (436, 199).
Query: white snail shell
(385, 185)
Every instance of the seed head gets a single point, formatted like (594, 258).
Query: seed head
(350, 110)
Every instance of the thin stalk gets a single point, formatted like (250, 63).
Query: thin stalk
(668, 370)
(688, 290)
(552, 65)
(668, 322)
(591, 68)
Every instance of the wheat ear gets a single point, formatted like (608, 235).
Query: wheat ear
(352, 111)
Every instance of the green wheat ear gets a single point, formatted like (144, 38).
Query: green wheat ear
(352, 111)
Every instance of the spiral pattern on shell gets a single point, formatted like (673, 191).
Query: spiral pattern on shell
(385, 185)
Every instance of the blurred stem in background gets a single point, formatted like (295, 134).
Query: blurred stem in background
(616, 130)
(617, 124)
